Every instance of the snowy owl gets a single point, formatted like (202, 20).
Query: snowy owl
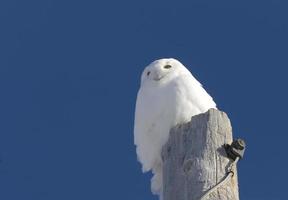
(168, 95)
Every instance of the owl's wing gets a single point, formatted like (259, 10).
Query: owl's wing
(150, 127)
(143, 123)
(192, 92)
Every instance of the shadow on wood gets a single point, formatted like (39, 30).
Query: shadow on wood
(194, 159)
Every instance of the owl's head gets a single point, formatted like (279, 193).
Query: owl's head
(162, 70)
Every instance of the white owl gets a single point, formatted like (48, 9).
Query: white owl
(168, 95)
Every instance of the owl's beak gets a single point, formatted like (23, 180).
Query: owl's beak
(157, 77)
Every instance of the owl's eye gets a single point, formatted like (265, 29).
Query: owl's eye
(148, 73)
(167, 66)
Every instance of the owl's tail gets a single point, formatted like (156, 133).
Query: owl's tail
(157, 181)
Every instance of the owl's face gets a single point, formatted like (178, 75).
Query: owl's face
(162, 70)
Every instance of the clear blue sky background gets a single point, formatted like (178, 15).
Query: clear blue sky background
(69, 74)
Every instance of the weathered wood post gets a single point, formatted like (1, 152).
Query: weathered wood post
(194, 159)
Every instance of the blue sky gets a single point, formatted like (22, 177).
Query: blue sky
(69, 74)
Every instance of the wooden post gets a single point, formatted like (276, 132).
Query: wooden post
(194, 159)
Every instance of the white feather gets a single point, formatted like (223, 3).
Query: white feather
(167, 96)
